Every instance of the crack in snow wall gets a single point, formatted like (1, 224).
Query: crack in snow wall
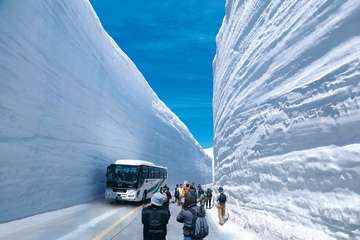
(287, 115)
(71, 102)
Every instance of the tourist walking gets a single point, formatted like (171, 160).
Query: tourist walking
(209, 196)
(221, 201)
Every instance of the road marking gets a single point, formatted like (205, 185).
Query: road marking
(113, 226)
(84, 227)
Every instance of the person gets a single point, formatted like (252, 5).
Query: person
(187, 187)
(221, 200)
(155, 219)
(202, 200)
(186, 216)
(199, 190)
(192, 191)
(183, 191)
(208, 198)
(176, 194)
(165, 187)
(168, 196)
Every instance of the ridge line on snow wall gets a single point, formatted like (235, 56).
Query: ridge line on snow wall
(72, 102)
(287, 117)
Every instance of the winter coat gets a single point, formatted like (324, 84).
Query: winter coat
(155, 220)
(209, 194)
(167, 198)
(181, 192)
(202, 199)
(185, 216)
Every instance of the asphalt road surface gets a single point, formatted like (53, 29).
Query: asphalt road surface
(97, 220)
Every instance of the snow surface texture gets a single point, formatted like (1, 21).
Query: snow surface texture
(210, 152)
(71, 102)
(287, 117)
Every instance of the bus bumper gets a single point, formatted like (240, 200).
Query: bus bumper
(129, 195)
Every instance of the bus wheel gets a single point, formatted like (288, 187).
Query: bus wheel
(144, 198)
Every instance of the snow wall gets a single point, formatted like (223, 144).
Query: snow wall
(287, 118)
(71, 102)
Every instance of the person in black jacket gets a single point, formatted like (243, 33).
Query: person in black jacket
(155, 219)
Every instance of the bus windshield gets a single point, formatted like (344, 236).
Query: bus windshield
(123, 175)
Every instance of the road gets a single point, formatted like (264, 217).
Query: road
(97, 220)
(134, 230)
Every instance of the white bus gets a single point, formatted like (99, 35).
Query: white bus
(133, 180)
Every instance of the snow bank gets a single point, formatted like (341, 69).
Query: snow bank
(71, 102)
(230, 230)
(287, 116)
(210, 153)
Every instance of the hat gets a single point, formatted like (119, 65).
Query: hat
(221, 189)
(157, 199)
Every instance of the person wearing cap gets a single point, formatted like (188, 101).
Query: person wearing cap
(221, 200)
(155, 219)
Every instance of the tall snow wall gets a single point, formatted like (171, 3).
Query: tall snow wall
(287, 118)
(71, 102)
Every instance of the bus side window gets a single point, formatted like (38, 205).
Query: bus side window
(152, 173)
(145, 172)
(157, 173)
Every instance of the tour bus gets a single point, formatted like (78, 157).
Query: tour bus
(133, 180)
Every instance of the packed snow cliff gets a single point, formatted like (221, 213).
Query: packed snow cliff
(287, 117)
(71, 102)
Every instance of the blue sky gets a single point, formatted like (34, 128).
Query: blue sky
(172, 42)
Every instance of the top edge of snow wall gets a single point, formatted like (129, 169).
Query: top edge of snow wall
(287, 115)
(71, 102)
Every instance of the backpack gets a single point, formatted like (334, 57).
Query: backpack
(155, 223)
(200, 227)
(222, 198)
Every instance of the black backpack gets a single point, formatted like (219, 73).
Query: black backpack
(199, 225)
(222, 198)
(155, 223)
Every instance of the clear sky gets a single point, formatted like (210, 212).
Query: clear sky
(172, 42)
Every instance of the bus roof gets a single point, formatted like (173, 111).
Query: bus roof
(135, 162)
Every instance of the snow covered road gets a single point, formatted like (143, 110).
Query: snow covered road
(100, 220)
